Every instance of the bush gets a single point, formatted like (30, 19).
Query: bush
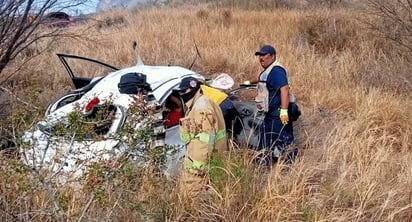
(392, 20)
(329, 33)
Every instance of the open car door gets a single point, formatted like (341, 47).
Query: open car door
(85, 73)
(82, 71)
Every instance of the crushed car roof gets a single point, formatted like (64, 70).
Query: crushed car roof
(161, 79)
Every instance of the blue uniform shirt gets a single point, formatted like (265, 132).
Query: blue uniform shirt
(276, 79)
(273, 134)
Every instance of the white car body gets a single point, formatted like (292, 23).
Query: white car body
(62, 156)
(67, 159)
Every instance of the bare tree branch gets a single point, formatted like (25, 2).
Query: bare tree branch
(24, 22)
(395, 20)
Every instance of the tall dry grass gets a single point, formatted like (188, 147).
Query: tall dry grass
(354, 135)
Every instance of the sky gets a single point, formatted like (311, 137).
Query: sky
(86, 8)
(102, 5)
(92, 5)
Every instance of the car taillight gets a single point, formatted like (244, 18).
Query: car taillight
(91, 104)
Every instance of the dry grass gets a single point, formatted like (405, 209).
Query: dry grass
(354, 135)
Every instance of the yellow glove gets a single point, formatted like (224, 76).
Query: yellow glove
(284, 118)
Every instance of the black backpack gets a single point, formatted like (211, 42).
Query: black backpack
(133, 83)
(293, 111)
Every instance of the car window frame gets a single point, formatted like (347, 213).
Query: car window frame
(79, 81)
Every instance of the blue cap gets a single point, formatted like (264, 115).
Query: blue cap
(266, 49)
(188, 82)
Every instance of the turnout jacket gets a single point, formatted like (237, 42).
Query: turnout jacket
(203, 130)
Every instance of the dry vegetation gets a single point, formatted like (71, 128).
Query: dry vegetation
(355, 161)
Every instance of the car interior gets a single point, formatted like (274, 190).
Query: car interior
(173, 110)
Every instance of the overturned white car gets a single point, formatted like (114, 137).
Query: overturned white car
(102, 120)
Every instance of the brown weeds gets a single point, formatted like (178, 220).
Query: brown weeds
(354, 134)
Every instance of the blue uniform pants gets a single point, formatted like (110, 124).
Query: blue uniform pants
(274, 138)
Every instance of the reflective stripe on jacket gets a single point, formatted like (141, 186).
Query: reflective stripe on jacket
(203, 130)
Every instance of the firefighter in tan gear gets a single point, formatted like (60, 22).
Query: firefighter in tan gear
(203, 130)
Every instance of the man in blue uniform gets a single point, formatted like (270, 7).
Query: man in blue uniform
(276, 131)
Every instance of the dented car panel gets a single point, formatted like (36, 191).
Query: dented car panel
(62, 154)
